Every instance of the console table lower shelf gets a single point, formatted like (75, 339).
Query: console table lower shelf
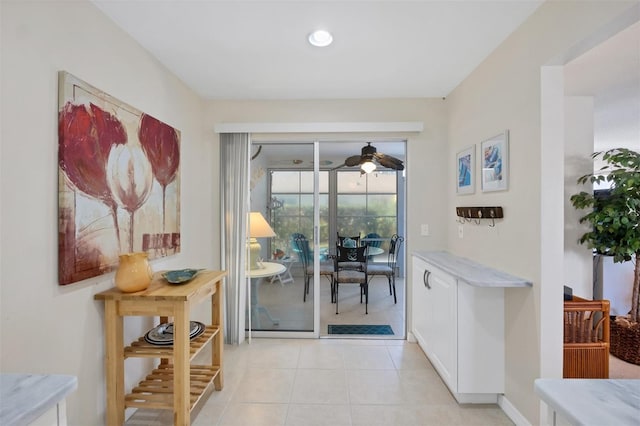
(156, 390)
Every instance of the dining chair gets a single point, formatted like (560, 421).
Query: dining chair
(372, 239)
(349, 242)
(301, 246)
(389, 268)
(294, 237)
(349, 275)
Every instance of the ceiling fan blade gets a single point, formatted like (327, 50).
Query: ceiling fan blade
(338, 167)
(354, 160)
(389, 161)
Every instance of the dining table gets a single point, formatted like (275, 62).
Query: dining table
(375, 251)
(372, 251)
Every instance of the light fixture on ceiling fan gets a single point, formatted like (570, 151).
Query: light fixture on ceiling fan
(368, 166)
(369, 157)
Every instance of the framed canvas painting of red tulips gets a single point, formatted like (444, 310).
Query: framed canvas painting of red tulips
(118, 182)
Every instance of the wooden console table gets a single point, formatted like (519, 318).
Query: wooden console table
(175, 384)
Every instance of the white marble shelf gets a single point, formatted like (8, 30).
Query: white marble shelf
(25, 397)
(471, 272)
(592, 402)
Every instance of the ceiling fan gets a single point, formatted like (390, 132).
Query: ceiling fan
(367, 159)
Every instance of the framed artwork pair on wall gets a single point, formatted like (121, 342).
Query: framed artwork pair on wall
(494, 161)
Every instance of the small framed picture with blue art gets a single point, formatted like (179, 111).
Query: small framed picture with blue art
(495, 162)
(465, 162)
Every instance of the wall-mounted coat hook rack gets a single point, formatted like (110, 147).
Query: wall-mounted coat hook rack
(479, 213)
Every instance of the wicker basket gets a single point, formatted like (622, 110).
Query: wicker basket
(625, 342)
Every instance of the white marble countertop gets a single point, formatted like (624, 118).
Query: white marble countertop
(25, 397)
(471, 272)
(593, 402)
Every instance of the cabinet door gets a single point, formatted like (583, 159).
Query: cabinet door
(480, 339)
(420, 309)
(442, 333)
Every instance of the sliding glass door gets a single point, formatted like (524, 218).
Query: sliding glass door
(308, 195)
(292, 194)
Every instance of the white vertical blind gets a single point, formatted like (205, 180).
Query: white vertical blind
(234, 191)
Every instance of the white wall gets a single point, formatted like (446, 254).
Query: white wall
(578, 147)
(46, 328)
(505, 93)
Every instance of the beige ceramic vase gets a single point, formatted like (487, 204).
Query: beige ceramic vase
(134, 273)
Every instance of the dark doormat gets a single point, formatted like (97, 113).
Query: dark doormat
(359, 329)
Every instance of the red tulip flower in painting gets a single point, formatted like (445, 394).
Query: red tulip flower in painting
(161, 144)
(130, 179)
(86, 135)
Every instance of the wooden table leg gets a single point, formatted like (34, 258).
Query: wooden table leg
(181, 365)
(217, 348)
(114, 363)
(164, 361)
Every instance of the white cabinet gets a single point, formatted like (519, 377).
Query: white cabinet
(460, 328)
(436, 319)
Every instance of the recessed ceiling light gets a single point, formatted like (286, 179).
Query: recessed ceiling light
(320, 38)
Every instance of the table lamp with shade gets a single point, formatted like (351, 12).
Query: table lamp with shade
(258, 228)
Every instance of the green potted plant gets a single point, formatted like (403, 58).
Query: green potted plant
(615, 231)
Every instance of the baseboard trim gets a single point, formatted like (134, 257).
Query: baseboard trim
(512, 412)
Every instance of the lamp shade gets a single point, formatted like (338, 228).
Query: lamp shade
(259, 227)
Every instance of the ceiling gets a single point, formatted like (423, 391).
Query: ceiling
(258, 49)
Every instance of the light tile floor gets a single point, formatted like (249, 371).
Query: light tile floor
(332, 382)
